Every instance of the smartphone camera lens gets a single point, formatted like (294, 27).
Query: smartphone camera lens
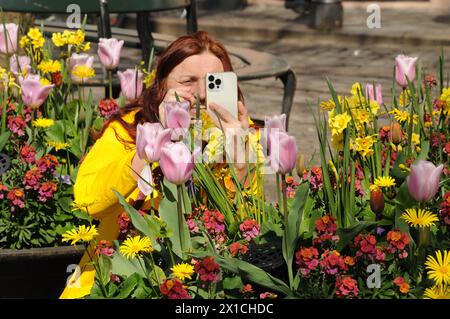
(211, 86)
(218, 81)
(210, 78)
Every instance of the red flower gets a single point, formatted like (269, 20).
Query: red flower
(445, 209)
(249, 229)
(383, 133)
(437, 140)
(3, 190)
(17, 124)
(365, 243)
(16, 196)
(315, 178)
(332, 263)
(123, 222)
(213, 220)
(32, 179)
(236, 248)
(430, 80)
(397, 243)
(104, 247)
(107, 107)
(208, 270)
(326, 229)
(46, 191)
(307, 260)
(346, 287)
(57, 79)
(28, 154)
(247, 289)
(402, 284)
(47, 163)
(447, 149)
(174, 289)
(267, 295)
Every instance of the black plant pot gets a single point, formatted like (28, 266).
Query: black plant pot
(37, 272)
(268, 257)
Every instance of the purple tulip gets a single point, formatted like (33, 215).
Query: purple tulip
(131, 88)
(150, 138)
(423, 181)
(177, 163)
(109, 52)
(11, 33)
(34, 92)
(405, 67)
(20, 64)
(374, 96)
(283, 152)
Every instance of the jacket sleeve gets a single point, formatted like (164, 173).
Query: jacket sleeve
(106, 167)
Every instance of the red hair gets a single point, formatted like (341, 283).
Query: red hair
(148, 103)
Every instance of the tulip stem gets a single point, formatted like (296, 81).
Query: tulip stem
(180, 218)
(110, 83)
(286, 229)
(277, 176)
(3, 113)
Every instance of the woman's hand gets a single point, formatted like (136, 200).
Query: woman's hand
(228, 121)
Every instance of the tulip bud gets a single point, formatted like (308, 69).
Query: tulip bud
(300, 166)
(396, 133)
(423, 181)
(376, 201)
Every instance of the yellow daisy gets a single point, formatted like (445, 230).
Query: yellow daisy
(58, 145)
(419, 218)
(437, 292)
(43, 122)
(49, 66)
(384, 182)
(400, 115)
(182, 271)
(439, 267)
(136, 245)
(83, 234)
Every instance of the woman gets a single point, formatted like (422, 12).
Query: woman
(112, 161)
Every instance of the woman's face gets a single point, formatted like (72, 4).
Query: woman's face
(191, 74)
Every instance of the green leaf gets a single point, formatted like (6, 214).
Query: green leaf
(55, 133)
(65, 203)
(4, 138)
(127, 287)
(145, 226)
(104, 264)
(168, 211)
(231, 283)
(124, 267)
(403, 198)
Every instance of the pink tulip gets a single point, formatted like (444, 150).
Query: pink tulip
(80, 59)
(20, 64)
(177, 114)
(283, 152)
(177, 163)
(374, 96)
(34, 92)
(276, 121)
(405, 67)
(109, 52)
(11, 33)
(423, 181)
(150, 138)
(131, 88)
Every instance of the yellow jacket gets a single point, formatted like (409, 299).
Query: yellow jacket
(107, 166)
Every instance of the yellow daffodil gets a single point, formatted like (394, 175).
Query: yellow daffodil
(182, 271)
(419, 218)
(34, 34)
(82, 72)
(149, 78)
(339, 123)
(439, 268)
(58, 39)
(363, 145)
(136, 245)
(384, 182)
(82, 233)
(404, 98)
(357, 89)
(337, 141)
(49, 66)
(38, 43)
(445, 99)
(43, 122)
(24, 41)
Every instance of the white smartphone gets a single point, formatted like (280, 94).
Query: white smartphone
(222, 89)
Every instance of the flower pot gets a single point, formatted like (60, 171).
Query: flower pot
(268, 257)
(37, 272)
